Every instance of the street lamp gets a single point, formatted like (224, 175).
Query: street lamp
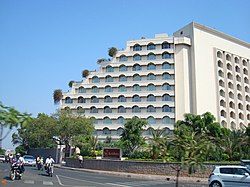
(58, 142)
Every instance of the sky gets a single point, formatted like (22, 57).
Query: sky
(44, 44)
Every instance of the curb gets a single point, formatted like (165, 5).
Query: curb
(193, 180)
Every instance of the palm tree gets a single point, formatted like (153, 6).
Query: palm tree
(93, 140)
(112, 51)
(57, 95)
(85, 73)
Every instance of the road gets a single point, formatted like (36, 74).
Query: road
(69, 178)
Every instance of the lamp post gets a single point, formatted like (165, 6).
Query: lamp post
(58, 142)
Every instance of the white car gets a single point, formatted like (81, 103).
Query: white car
(229, 176)
(2, 158)
(29, 160)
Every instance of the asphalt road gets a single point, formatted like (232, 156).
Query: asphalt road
(69, 178)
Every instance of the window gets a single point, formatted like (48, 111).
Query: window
(107, 120)
(151, 120)
(166, 108)
(240, 106)
(165, 45)
(122, 78)
(228, 57)
(122, 98)
(122, 88)
(151, 87)
(166, 55)
(107, 109)
(108, 89)
(246, 80)
(237, 69)
(80, 110)
(223, 103)
(108, 78)
(136, 57)
(136, 88)
(151, 98)
(166, 65)
(236, 60)
(166, 120)
(151, 56)
(221, 74)
(136, 98)
(240, 97)
(151, 108)
(108, 99)
(167, 87)
(151, 46)
(95, 79)
(220, 64)
(94, 99)
(123, 58)
(82, 90)
(219, 54)
(223, 113)
(151, 66)
(230, 76)
(221, 83)
(136, 67)
(239, 87)
(167, 76)
(246, 89)
(244, 63)
(231, 95)
(232, 105)
(245, 71)
(229, 67)
(232, 115)
(119, 130)
(93, 110)
(136, 77)
(121, 120)
(106, 130)
(121, 109)
(238, 78)
(136, 109)
(151, 76)
(81, 100)
(68, 100)
(123, 68)
(230, 85)
(109, 69)
(222, 93)
(227, 170)
(137, 47)
(94, 89)
(167, 97)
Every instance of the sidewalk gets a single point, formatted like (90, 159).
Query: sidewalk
(194, 180)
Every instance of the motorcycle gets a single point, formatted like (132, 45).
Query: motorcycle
(15, 172)
(50, 169)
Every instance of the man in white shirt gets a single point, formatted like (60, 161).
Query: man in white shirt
(20, 161)
(49, 160)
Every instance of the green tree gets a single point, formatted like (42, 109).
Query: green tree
(69, 125)
(57, 95)
(71, 83)
(112, 51)
(132, 137)
(10, 117)
(37, 133)
(85, 73)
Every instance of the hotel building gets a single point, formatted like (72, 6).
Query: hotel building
(159, 79)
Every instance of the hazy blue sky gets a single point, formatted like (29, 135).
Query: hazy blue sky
(46, 43)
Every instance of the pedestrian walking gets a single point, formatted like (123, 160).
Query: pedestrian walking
(80, 158)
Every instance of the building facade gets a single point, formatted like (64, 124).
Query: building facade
(159, 79)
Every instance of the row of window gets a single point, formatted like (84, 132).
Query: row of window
(150, 56)
(136, 77)
(230, 85)
(233, 125)
(230, 67)
(229, 58)
(122, 88)
(138, 67)
(152, 46)
(231, 95)
(232, 115)
(121, 98)
(122, 109)
(230, 76)
(232, 105)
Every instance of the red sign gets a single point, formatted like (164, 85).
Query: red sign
(111, 153)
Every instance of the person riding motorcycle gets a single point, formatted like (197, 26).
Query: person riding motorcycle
(20, 162)
(39, 162)
(49, 165)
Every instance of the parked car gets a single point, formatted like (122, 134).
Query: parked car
(29, 160)
(245, 163)
(229, 176)
(2, 158)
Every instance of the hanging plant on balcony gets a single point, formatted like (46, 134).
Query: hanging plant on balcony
(85, 73)
(71, 83)
(112, 51)
(57, 95)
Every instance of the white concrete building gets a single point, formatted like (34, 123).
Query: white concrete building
(159, 79)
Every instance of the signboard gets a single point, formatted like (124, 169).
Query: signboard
(111, 153)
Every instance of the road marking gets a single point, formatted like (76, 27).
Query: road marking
(115, 184)
(47, 183)
(61, 184)
(29, 182)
